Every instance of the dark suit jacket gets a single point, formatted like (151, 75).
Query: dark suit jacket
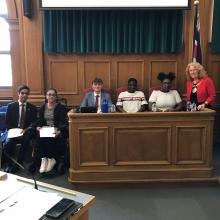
(88, 100)
(12, 115)
(60, 118)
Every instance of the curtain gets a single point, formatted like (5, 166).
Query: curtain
(215, 45)
(118, 31)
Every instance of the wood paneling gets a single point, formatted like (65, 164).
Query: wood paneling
(157, 66)
(67, 73)
(78, 70)
(26, 49)
(191, 145)
(32, 51)
(149, 149)
(98, 153)
(99, 68)
(214, 68)
(130, 69)
(146, 146)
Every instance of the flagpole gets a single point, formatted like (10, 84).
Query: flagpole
(196, 53)
(196, 2)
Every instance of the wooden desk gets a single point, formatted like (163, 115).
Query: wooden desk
(140, 147)
(86, 199)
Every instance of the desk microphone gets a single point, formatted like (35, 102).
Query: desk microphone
(31, 171)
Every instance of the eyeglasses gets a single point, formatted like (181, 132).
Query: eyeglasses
(51, 94)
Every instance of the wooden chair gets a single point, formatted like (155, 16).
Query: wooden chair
(151, 89)
(121, 89)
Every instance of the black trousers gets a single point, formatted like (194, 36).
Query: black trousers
(10, 145)
(50, 148)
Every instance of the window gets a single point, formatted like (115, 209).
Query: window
(5, 56)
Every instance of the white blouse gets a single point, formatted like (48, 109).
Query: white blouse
(165, 100)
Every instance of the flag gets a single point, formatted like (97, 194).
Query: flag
(197, 52)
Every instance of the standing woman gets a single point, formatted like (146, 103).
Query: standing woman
(200, 88)
(51, 114)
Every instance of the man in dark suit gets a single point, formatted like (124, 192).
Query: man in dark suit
(97, 96)
(20, 114)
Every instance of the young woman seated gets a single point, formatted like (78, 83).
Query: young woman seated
(52, 115)
(165, 99)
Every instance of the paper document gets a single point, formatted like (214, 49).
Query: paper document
(28, 204)
(7, 189)
(15, 132)
(47, 132)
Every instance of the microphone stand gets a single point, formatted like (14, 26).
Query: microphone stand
(22, 167)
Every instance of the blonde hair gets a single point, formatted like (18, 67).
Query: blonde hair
(201, 71)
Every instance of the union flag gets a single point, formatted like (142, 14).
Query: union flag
(197, 52)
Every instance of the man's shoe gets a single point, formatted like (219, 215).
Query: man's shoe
(50, 165)
(43, 166)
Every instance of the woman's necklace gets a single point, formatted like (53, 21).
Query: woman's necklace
(195, 85)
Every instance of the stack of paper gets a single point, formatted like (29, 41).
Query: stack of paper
(47, 132)
(28, 204)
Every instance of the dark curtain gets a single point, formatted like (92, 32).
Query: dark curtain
(117, 31)
(215, 46)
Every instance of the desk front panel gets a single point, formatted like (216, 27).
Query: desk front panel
(119, 147)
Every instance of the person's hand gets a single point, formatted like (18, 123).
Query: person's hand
(57, 133)
(38, 128)
(201, 107)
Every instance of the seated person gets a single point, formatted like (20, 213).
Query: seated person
(131, 100)
(165, 99)
(97, 96)
(48, 149)
(20, 114)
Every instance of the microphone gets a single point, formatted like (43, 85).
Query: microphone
(30, 170)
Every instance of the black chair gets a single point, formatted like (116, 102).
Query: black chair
(3, 133)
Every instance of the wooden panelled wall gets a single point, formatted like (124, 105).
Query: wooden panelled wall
(71, 74)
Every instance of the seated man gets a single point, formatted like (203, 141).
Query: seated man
(20, 114)
(131, 100)
(97, 96)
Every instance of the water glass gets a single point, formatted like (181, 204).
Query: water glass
(112, 108)
(154, 107)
